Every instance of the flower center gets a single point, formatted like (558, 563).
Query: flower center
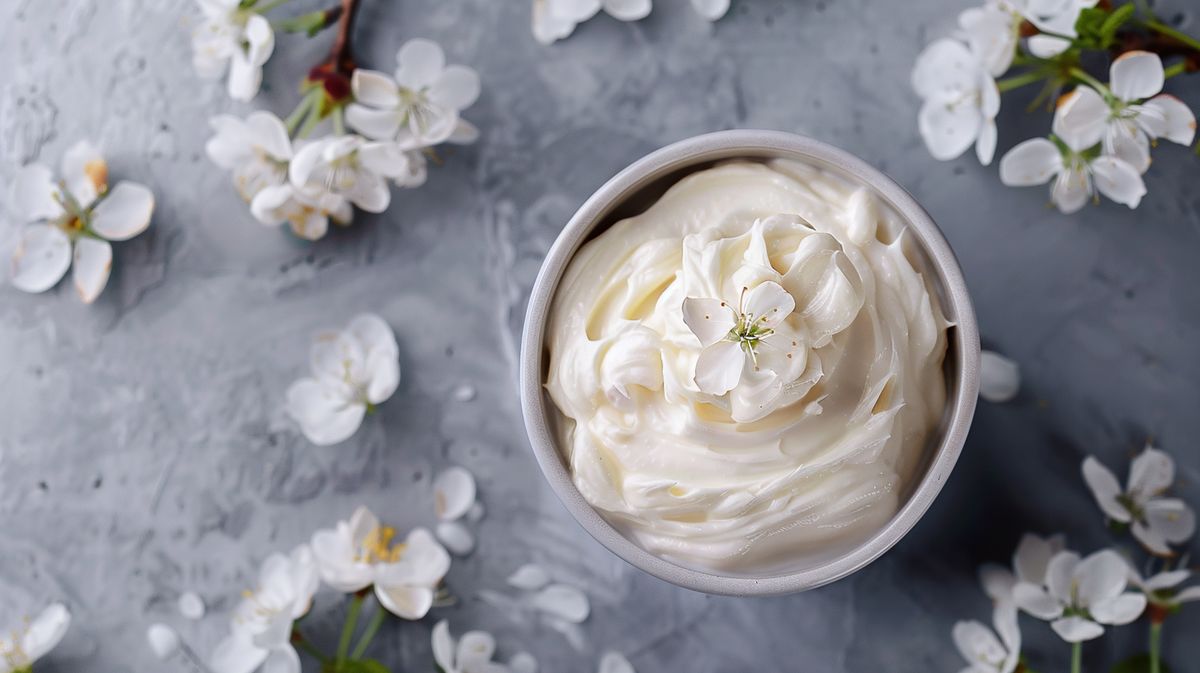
(11, 653)
(377, 546)
(417, 109)
(342, 174)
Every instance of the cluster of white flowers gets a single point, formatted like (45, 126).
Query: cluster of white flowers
(21, 646)
(355, 556)
(233, 37)
(70, 220)
(399, 119)
(555, 20)
(353, 370)
(1101, 133)
(1079, 596)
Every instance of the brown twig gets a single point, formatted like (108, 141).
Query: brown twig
(341, 56)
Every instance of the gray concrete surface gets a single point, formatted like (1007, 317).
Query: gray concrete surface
(143, 447)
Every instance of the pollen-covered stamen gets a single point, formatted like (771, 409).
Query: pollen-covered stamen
(11, 653)
(377, 547)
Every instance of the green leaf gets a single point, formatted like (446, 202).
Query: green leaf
(363, 666)
(1139, 663)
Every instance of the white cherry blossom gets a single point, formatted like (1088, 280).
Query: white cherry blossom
(472, 653)
(353, 370)
(1029, 563)
(420, 105)
(1075, 164)
(992, 32)
(1079, 595)
(988, 651)
(1163, 590)
(72, 220)
(1052, 16)
(1123, 119)
(361, 552)
(960, 101)
(453, 497)
(733, 333)
(256, 150)
(21, 645)
(235, 39)
(1155, 521)
(349, 168)
(555, 20)
(261, 629)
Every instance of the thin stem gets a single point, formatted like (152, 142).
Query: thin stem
(269, 5)
(1155, 645)
(339, 122)
(341, 55)
(348, 629)
(1076, 657)
(1176, 69)
(302, 110)
(377, 620)
(1162, 28)
(310, 122)
(1010, 83)
(1083, 76)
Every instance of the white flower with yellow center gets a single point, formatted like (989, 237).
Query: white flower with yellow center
(353, 370)
(232, 38)
(348, 168)
(72, 220)
(362, 552)
(1078, 595)
(261, 630)
(20, 648)
(256, 149)
(960, 101)
(1155, 521)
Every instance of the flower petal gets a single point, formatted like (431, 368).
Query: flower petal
(231, 143)
(41, 259)
(529, 577)
(93, 263)
(85, 172)
(1100, 577)
(1118, 181)
(709, 319)
(977, 644)
(944, 70)
(1128, 142)
(375, 89)
(1151, 473)
(711, 9)
(999, 377)
(1105, 488)
(523, 662)
(124, 213)
(1080, 118)
(456, 537)
(1004, 619)
(989, 32)
(164, 641)
(1171, 518)
(615, 662)
(1135, 75)
(406, 602)
(474, 648)
(948, 128)
(1060, 575)
(443, 646)
(424, 562)
(563, 601)
(1046, 46)
(45, 631)
(1165, 580)
(372, 123)
(283, 659)
(1188, 595)
(270, 134)
(628, 10)
(1071, 190)
(245, 78)
(35, 195)
(769, 304)
(1179, 122)
(1151, 539)
(1036, 601)
(1033, 162)
(998, 583)
(1120, 609)
(464, 133)
(1033, 555)
(1077, 629)
(457, 88)
(985, 145)
(420, 62)
(325, 416)
(719, 367)
(453, 493)
(237, 654)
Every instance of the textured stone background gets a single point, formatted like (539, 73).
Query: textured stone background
(143, 448)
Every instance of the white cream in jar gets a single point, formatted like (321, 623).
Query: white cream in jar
(805, 443)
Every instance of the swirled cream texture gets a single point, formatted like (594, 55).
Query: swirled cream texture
(803, 429)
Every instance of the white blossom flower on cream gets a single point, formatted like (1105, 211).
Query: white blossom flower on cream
(361, 552)
(454, 496)
(353, 370)
(1163, 590)
(733, 333)
(1155, 521)
(988, 651)
(23, 644)
(72, 220)
(1029, 563)
(256, 150)
(960, 101)
(232, 38)
(261, 629)
(1072, 159)
(420, 105)
(1131, 113)
(1079, 595)
(472, 653)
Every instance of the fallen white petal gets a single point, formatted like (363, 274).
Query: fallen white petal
(464, 393)
(563, 601)
(163, 641)
(456, 537)
(999, 377)
(475, 514)
(191, 605)
(529, 577)
(523, 662)
(453, 493)
(615, 662)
